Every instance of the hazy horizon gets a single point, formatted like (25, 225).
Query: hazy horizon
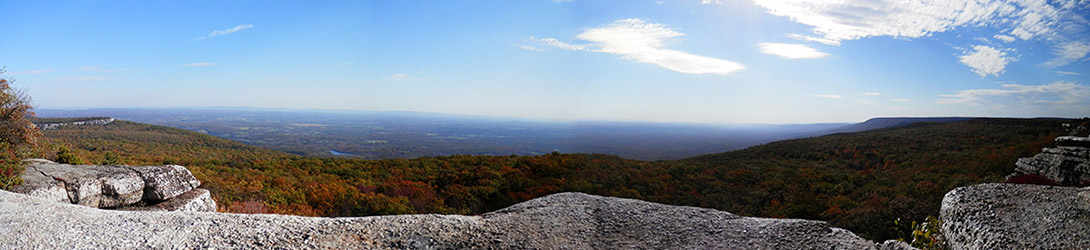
(710, 62)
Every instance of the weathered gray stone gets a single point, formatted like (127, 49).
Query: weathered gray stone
(1016, 216)
(88, 185)
(560, 221)
(895, 245)
(1073, 141)
(165, 182)
(196, 200)
(37, 184)
(1065, 165)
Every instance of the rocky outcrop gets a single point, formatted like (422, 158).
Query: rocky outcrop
(159, 187)
(559, 221)
(1026, 216)
(1067, 164)
(1016, 216)
(55, 125)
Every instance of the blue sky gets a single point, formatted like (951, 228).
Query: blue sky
(664, 61)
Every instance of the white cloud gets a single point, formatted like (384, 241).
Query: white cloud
(715, 2)
(814, 39)
(226, 31)
(1054, 93)
(829, 96)
(791, 51)
(562, 45)
(834, 21)
(840, 20)
(83, 78)
(401, 77)
(1068, 73)
(872, 94)
(29, 72)
(645, 42)
(528, 47)
(98, 69)
(986, 60)
(1070, 52)
(900, 100)
(1004, 38)
(199, 64)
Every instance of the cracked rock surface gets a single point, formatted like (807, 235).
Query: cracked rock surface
(559, 221)
(1016, 216)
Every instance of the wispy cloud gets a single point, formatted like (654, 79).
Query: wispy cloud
(562, 45)
(401, 77)
(825, 41)
(1070, 52)
(99, 69)
(1057, 22)
(791, 51)
(1004, 38)
(29, 72)
(872, 94)
(986, 60)
(82, 78)
(1054, 93)
(829, 96)
(644, 42)
(226, 31)
(528, 47)
(1068, 73)
(199, 64)
(900, 100)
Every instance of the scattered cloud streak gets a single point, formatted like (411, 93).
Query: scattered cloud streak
(829, 96)
(528, 47)
(1070, 52)
(872, 94)
(986, 60)
(401, 77)
(226, 31)
(791, 51)
(82, 78)
(1068, 73)
(99, 69)
(1067, 93)
(834, 21)
(29, 72)
(640, 41)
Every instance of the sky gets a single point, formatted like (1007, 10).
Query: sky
(704, 61)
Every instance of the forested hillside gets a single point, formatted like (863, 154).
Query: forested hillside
(860, 181)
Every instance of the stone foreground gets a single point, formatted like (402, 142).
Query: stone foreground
(559, 221)
(1016, 216)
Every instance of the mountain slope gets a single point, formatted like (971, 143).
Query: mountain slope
(889, 122)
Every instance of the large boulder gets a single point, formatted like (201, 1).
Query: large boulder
(1016, 216)
(88, 185)
(560, 221)
(164, 182)
(114, 186)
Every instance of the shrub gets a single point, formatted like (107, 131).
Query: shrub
(1035, 179)
(926, 235)
(65, 156)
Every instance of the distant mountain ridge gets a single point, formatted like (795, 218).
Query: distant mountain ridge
(888, 122)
